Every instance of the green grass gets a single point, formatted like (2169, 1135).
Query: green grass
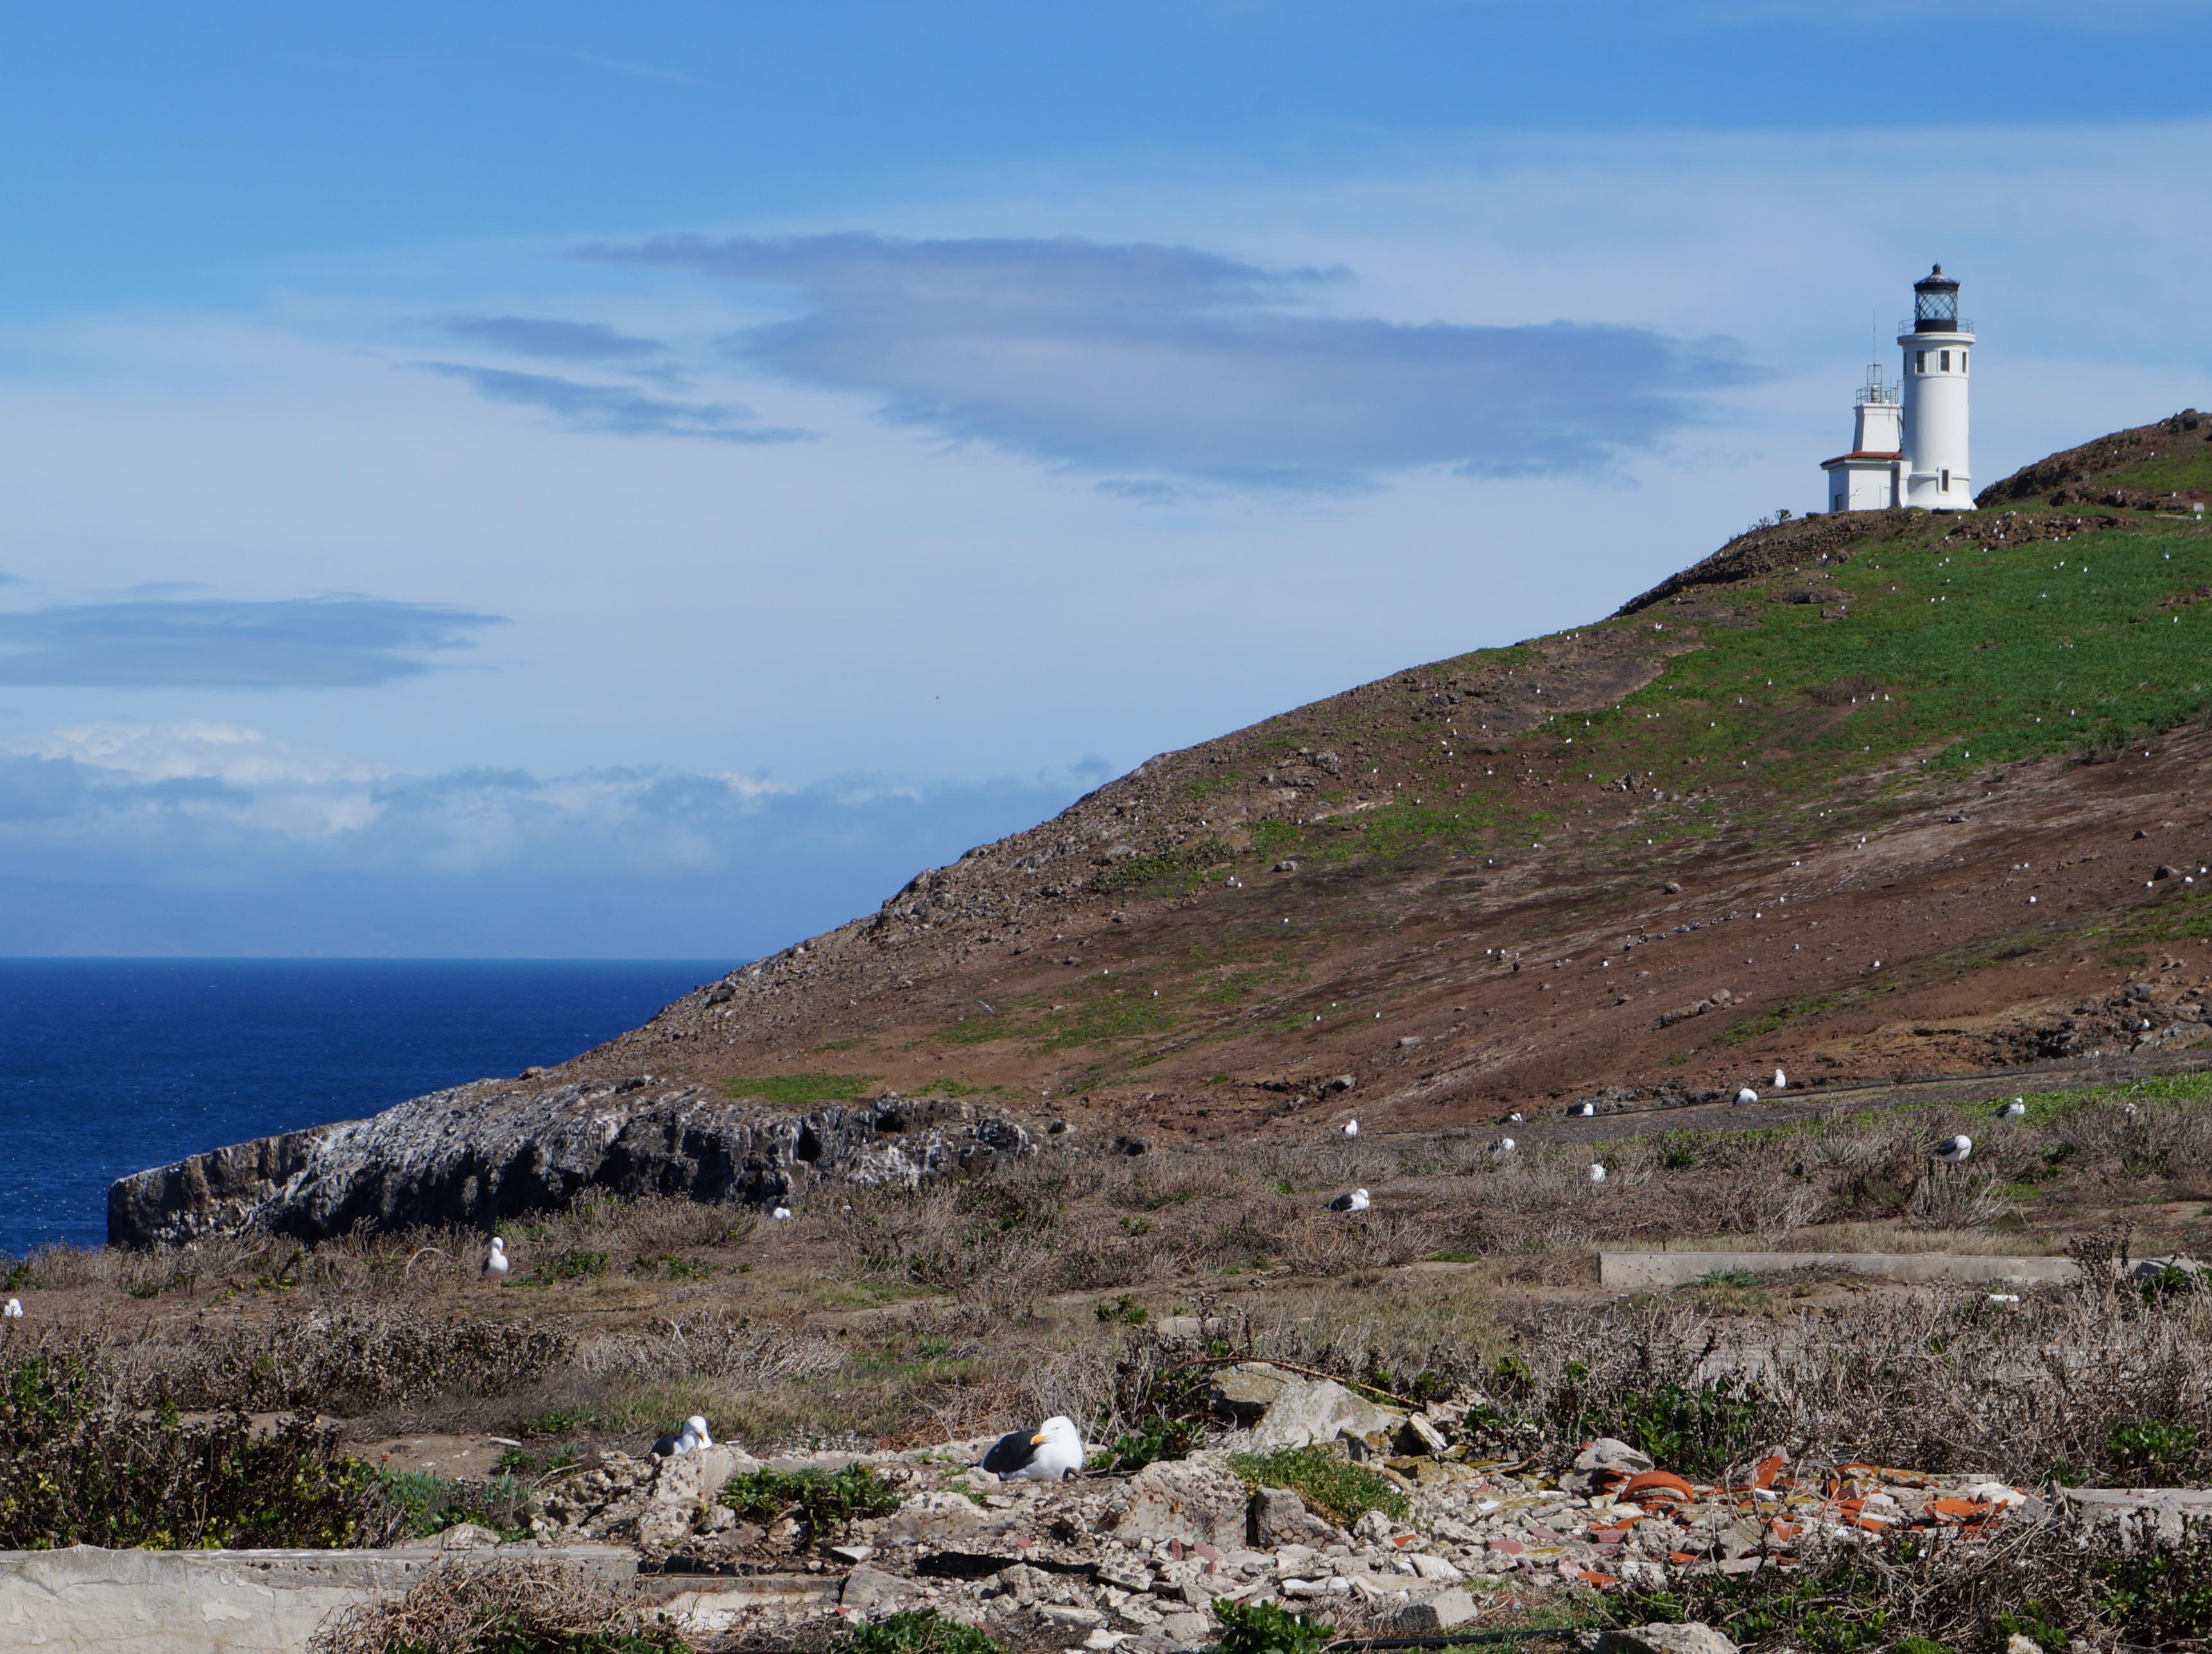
(797, 1091)
(922, 1630)
(827, 1502)
(570, 1263)
(1328, 1482)
(1170, 872)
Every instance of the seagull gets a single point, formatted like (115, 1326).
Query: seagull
(495, 1262)
(2132, 1112)
(1596, 1172)
(1349, 1128)
(13, 1311)
(1746, 1095)
(1952, 1151)
(781, 1211)
(1781, 1080)
(1583, 1110)
(1055, 1452)
(690, 1439)
(1355, 1201)
(2013, 1109)
(1506, 1145)
(1513, 1119)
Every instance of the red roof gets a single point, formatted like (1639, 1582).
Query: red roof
(1860, 453)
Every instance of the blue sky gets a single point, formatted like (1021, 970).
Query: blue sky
(587, 480)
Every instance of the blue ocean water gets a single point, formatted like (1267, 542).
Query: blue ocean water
(107, 1065)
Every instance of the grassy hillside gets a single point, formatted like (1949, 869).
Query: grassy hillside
(1366, 885)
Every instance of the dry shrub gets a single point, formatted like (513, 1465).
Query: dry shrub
(1948, 1198)
(715, 1346)
(334, 1360)
(490, 1607)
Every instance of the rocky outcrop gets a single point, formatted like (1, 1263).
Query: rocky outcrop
(481, 1153)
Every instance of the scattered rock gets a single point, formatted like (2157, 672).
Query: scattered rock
(1195, 1498)
(870, 1593)
(467, 1537)
(1448, 1608)
(1278, 1517)
(1694, 1638)
(1247, 1390)
(1309, 1410)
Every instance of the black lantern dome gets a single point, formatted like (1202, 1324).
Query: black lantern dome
(1936, 303)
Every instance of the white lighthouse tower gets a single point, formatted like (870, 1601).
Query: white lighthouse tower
(1935, 344)
(1909, 441)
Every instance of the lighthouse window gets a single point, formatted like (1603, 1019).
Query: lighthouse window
(1919, 361)
(1962, 362)
(1947, 481)
(1944, 364)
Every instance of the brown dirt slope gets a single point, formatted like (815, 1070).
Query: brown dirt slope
(1773, 845)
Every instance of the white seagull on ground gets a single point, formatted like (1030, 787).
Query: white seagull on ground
(1052, 1454)
(1506, 1145)
(781, 1211)
(1746, 1095)
(1781, 1080)
(1513, 1119)
(690, 1439)
(1583, 1110)
(1355, 1201)
(1349, 1128)
(495, 1262)
(13, 1311)
(1952, 1151)
(1596, 1172)
(2013, 1109)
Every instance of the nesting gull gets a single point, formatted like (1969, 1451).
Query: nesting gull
(1746, 1095)
(1349, 1128)
(2013, 1109)
(1596, 1172)
(1952, 1151)
(1053, 1453)
(1355, 1201)
(13, 1311)
(690, 1439)
(495, 1262)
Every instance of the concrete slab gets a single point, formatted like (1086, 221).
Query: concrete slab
(1633, 1271)
(85, 1599)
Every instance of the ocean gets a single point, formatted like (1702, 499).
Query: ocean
(109, 1066)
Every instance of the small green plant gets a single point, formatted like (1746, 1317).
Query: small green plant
(668, 1267)
(1326, 1481)
(428, 1503)
(1728, 1278)
(555, 1423)
(1123, 1310)
(2169, 1281)
(1268, 1628)
(922, 1630)
(2151, 1448)
(569, 1263)
(1678, 1150)
(2162, 1595)
(824, 1501)
(1134, 1226)
(1158, 1437)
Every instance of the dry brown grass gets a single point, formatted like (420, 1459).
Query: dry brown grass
(465, 1606)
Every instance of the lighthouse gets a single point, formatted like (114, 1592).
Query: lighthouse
(1910, 441)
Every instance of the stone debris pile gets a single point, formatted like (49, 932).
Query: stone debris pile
(1139, 1559)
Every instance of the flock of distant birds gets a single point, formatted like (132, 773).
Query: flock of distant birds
(1048, 1445)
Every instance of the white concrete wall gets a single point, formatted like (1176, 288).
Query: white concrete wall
(89, 1601)
(1936, 420)
(1878, 428)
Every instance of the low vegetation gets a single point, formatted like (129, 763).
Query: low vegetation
(1326, 1480)
(516, 1608)
(825, 1503)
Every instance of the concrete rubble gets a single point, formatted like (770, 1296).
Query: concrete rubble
(1106, 1560)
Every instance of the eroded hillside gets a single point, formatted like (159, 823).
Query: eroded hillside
(1864, 796)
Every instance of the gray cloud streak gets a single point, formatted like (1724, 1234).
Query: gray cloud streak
(1169, 360)
(616, 410)
(562, 341)
(304, 643)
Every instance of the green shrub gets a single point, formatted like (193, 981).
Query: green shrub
(2160, 1596)
(1157, 1438)
(914, 1632)
(2151, 1448)
(1326, 1481)
(1268, 1628)
(797, 1091)
(569, 1263)
(427, 1502)
(110, 1478)
(824, 1501)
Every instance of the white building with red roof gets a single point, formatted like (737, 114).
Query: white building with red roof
(1909, 438)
